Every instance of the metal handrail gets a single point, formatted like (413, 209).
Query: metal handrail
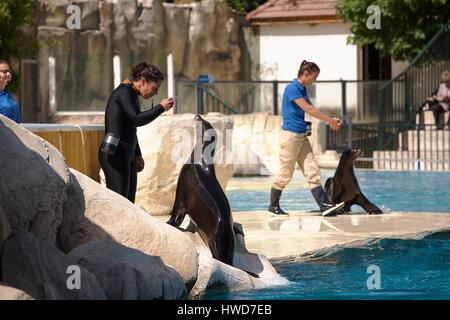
(280, 81)
(218, 100)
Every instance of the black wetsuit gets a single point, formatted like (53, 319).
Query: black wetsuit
(122, 116)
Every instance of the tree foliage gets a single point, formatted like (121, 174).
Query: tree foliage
(14, 16)
(15, 41)
(406, 25)
(244, 6)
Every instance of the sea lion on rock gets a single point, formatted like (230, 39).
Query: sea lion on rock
(344, 186)
(200, 195)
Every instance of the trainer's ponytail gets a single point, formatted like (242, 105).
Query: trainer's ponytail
(307, 66)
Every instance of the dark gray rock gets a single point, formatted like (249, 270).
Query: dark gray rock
(33, 181)
(126, 273)
(5, 228)
(41, 270)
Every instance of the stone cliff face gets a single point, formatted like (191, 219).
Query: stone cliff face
(202, 36)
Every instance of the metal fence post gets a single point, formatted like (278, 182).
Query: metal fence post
(348, 119)
(344, 97)
(174, 108)
(418, 146)
(381, 106)
(406, 102)
(199, 98)
(275, 97)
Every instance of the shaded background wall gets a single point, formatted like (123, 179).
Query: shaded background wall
(203, 37)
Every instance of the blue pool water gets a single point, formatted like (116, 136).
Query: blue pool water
(408, 269)
(390, 191)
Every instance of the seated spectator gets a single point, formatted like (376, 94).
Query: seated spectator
(439, 103)
(8, 106)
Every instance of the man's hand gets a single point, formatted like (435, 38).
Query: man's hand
(335, 124)
(139, 164)
(167, 103)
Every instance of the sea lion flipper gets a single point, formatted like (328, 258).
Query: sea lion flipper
(177, 216)
(238, 230)
(179, 210)
(368, 206)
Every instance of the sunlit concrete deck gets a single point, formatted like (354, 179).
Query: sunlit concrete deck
(304, 232)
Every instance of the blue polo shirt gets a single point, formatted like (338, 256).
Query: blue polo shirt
(8, 106)
(293, 116)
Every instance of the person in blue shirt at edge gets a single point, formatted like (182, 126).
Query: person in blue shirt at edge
(295, 146)
(8, 106)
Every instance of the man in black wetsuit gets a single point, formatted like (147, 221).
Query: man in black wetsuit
(119, 155)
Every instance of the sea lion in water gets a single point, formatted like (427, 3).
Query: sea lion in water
(344, 186)
(200, 195)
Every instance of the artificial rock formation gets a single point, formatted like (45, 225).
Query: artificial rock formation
(249, 271)
(47, 209)
(10, 293)
(5, 228)
(256, 143)
(41, 270)
(202, 36)
(33, 181)
(128, 274)
(54, 221)
(93, 212)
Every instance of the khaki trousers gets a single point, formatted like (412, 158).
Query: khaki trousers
(294, 148)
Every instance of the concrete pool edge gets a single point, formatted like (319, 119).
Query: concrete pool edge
(323, 252)
(304, 234)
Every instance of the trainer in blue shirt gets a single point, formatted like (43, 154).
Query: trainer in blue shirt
(295, 146)
(293, 116)
(8, 106)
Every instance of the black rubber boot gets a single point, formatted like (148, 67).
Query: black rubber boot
(326, 207)
(274, 207)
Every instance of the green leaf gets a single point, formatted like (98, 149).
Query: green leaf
(406, 25)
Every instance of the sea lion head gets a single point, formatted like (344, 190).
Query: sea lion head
(208, 134)
(351, 154)
(206, 137)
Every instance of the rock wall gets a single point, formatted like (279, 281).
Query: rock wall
(203, 37)
(10, 293)
(34, 179)
(256, 144)
(46, 211)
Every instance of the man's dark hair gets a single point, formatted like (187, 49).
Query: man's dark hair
(307, 66)
(147, 71)
(4, 61)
